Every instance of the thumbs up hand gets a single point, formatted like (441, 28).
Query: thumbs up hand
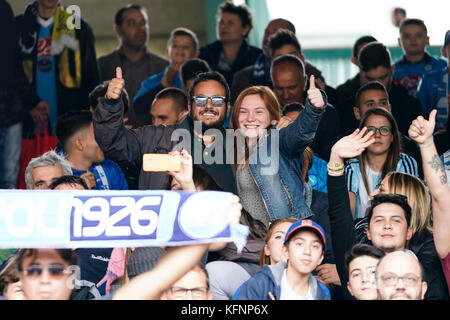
(314, 94)
(116, 86)
(421, 130)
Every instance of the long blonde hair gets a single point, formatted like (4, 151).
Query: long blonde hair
(418, 199)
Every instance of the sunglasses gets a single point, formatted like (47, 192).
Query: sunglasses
(384, 130)
(55, 270)
(216, 101)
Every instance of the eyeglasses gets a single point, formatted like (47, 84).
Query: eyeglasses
(216, 101)
(198, 292)
(384, 130)
(391, 279)
(55, 270)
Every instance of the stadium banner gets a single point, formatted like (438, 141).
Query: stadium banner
(107, 219)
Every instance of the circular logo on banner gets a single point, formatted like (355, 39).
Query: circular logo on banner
(203, 215)
(44, 65)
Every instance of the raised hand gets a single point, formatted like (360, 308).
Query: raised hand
(40, 112)
(284, 122)
(421, 130)
(89, 178)
(185, 175)
(116, 86)
(314, 94)
(352, 145)
(235, 211)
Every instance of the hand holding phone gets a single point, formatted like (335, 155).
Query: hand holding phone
(158, 162)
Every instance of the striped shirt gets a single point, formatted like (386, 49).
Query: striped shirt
(355, 184)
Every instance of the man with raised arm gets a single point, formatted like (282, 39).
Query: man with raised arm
(208, 102)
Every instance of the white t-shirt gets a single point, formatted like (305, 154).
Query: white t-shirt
(288, 294)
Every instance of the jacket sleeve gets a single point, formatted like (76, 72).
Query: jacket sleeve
(118, 143)
(298, 135)
(425, 94)
(90, 69)
(251, 290)
(341, 223)
(327, 131)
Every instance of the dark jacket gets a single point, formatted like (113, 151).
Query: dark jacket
(72, 90)
(120, 144)
(14, 88)
(269, 280)
(346, 92)
(344, 237)
(246, 57)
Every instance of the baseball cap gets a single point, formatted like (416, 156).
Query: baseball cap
(306, 224)
(447, 38)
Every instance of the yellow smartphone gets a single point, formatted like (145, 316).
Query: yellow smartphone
(160, 162)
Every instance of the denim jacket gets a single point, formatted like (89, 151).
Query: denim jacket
(277, 171)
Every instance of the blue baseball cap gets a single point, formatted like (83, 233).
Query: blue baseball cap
(306, 224)
(447, 38)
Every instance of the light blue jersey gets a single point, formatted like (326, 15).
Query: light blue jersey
(409, 74)
(355, 183)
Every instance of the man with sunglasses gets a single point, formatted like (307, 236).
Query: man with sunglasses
(201, 134)
(49, 274)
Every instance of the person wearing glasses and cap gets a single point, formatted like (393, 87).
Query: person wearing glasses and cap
(303, 248)
(208, 102)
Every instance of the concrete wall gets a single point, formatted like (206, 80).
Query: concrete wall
(164, 15)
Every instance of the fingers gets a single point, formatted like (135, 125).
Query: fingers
(284, 122)
(432, 117)
(312, 82)
(314, 95)
(119, 73)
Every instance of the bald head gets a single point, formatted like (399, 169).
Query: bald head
(272, 27)
(289, 80)
(400, 277)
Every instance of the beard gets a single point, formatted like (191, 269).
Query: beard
(218, 124)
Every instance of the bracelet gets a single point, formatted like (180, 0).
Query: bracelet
(428, 144)
(335, 173)
(335, 167)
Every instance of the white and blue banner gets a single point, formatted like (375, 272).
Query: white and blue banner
(107, 219)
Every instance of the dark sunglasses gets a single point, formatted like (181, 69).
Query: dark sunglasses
(216, 101)
(55, 270)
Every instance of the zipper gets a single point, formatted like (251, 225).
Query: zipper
(291, 204)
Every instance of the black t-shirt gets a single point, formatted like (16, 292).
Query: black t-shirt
(93, 263)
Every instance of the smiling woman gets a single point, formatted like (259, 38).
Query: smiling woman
(255, 112)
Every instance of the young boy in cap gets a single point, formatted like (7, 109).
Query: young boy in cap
(304, 246)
